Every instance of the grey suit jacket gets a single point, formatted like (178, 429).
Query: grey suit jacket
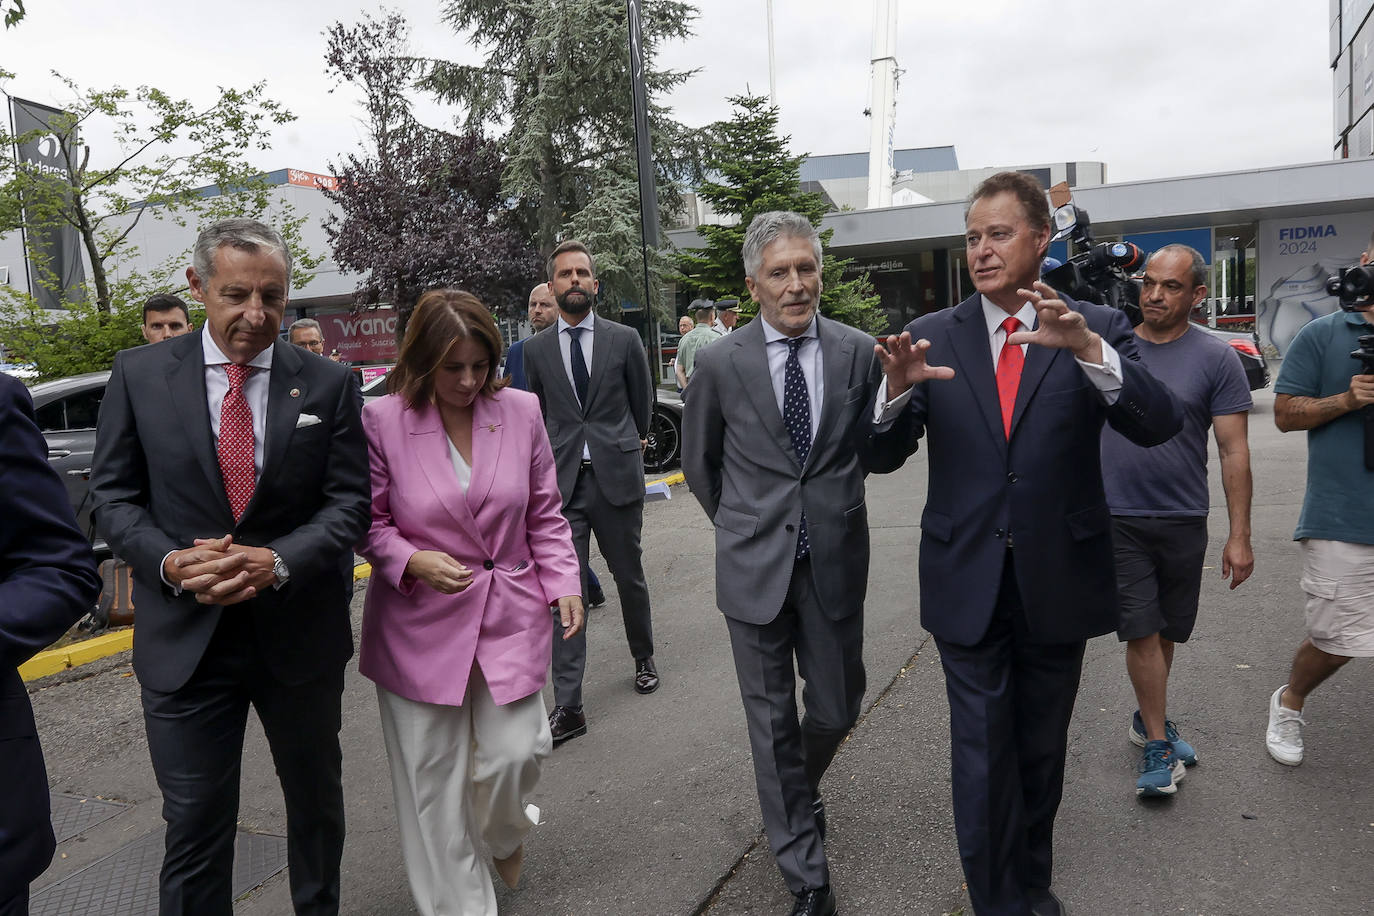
(156, 486)
(620, 398)
(740, 464)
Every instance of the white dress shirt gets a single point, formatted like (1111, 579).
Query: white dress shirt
(565, 347)
(812, 366)
(254, 391)
(1106, 376)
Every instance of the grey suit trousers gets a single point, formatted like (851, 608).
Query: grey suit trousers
(790, 756)
(617, 534)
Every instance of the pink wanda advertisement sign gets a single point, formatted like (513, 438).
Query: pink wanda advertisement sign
(364, 337)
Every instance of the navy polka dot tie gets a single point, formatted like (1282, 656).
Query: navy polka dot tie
(796, 413)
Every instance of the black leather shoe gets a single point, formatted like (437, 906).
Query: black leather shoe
(818, 809)
(596, 597)
(815, 902)
(1044, 903)
(646, 675)
(566, 722)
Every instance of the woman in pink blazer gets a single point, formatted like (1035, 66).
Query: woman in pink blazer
(468, 551)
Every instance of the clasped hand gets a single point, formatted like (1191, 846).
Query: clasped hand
(218, 571)
(447, 576)
(439, 571)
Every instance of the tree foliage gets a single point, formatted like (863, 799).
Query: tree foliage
(86, 338)
(168, 150)
(556, 79)
(750, 172)
(14, 11)
(423, 207)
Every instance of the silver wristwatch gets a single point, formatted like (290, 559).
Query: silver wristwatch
(279, 569)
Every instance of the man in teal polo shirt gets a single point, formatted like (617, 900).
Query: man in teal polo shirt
(1320, 389)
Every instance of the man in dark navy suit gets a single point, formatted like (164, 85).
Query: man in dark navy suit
(1016, 562)
(47, 581)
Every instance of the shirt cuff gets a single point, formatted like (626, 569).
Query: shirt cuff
(885, 411)
(1105, 376)
(162, 573)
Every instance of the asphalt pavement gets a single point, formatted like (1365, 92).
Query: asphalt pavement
(654, 812)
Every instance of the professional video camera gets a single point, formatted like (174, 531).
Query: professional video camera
(1099, 272)
(1354, 286)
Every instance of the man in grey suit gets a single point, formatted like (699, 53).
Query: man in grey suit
(593, 382)
(777, 438)
(230, 470)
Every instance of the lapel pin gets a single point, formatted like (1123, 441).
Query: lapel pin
(295, 392)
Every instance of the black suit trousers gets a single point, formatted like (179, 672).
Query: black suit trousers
(1010, 702)
(617, 530)
(195, 739)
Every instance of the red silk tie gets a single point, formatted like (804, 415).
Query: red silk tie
(1009, 363)
(236, 441)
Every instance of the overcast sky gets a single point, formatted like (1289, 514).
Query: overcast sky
(1153, 89)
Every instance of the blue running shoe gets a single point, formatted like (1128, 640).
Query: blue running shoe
(1183, 749)
(1161, 770)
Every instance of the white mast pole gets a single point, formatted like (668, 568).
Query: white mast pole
(772, 70)
(883, 103)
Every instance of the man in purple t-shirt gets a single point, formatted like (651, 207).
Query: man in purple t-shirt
(1159, 498)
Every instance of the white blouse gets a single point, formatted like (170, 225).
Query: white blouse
(460, 467)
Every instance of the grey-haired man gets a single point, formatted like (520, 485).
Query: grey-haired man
(230, 471)
(778, 435)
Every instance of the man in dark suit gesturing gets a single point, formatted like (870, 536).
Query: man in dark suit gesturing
(592, 379)
(47, 581)
(230, 470)
(778, 435)
(1016, 561)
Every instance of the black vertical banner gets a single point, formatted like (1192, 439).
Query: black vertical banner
(53, 241)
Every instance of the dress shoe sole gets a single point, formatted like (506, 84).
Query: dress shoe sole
(569, 735)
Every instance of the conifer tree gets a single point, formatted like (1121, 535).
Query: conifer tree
(555, 80)
(750, 172)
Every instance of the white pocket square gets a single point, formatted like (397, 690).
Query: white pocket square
(307, 419)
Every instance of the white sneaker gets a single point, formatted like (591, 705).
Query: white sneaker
(1284, 737)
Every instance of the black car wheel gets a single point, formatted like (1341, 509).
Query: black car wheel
(665, 440)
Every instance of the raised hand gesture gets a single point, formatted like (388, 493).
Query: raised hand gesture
(904, 363)
(1060, 327)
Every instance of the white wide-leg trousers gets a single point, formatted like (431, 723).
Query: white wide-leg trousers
(460, 775)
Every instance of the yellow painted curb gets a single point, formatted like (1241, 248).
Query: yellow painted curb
(362, 571)
(671, 480)
(52, 661)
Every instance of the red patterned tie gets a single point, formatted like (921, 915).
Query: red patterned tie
(1009, 364)
(236, 441)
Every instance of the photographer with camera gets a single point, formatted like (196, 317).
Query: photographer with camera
(1158, 498)
(1321, 391)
